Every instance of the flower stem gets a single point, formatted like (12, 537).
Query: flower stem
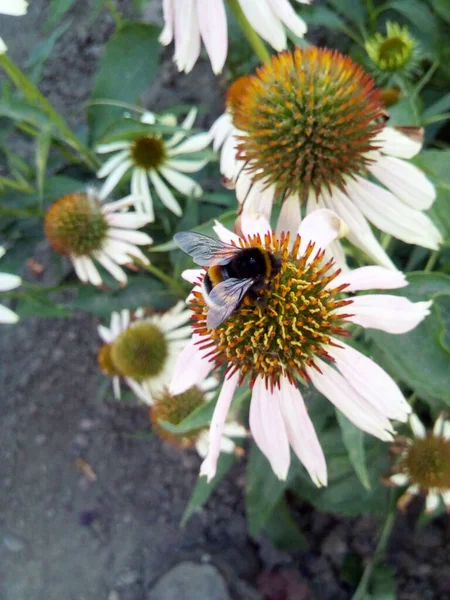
(254, 40)
(431, 260)
(114, 13)
(361, 590)
(176, 287)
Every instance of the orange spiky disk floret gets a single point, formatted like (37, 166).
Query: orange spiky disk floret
(310, 117)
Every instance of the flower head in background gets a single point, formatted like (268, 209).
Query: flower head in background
(395, 53)
(142, 348)
(310, 125)
(188, 22)
(155, 161)
(424, 463)
(8, 282)
(14, 8)
(294, 330)
(81, 227)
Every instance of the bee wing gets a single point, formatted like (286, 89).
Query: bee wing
(224, 299)
(205, 251)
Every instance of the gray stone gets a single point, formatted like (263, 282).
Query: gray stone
(190, 581)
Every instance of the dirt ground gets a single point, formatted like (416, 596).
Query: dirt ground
(88, 511)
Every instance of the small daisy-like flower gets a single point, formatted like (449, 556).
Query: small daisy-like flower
(8, 282)
(153, 159)
(142, 348)
(14, 8)
(81, 227)
(187, 22)
(310, 125)
(294, 331)
(424, 463)
(395, 53)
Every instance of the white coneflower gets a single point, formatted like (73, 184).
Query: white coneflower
(294, 332)
(424, 464)
(142, 348)
(308, 126)
(15, 8)
(157, 160)
(8, 282)
(81, 227)
(187, 22)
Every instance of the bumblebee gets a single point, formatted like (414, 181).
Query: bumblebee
(233, 273)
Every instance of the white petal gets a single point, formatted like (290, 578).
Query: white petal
(438, 429)
(134, 237)
(186, 125)
(224, 234)
(243, 185)
(391, 215)
(233, 429)
(264, 22)
(9, 282)
(186, 166)
(371, 382)
(416, 426)
(393, 314)
(251, 226)
(92, 272)
(16, 8)
(187, 34)
(112, 163)
(202, 444)
(112, 147)
(259, 201)
(105, 334)
(209, 465)
(191, 368)
(321, 227)
(127, 220)
(221, 129)
(183, 184)
(359, 232)
(447, 430)
(7, 315)
(192, 275)
(2, 251)
(289, 219)
(432, 501)
(356, 408)
(268, 428)
(114, 269)
(113, 179)
(370, 278)
(227, 445)
(3, 46)
(301, 432)
(288, 16)
(123, 252)
(395, 143)
(116, 388)
(118, 205)
(404, 180)
(146, 197)
(166, 196)
(167, 33)
(399, 479)
(213, 29)
(194, 144)
(78, 263)
(446, 498)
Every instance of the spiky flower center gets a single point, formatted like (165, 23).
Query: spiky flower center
(427, 462)
(310, 117)
(393, 51)
(105, 361)
(74, 225)
(236, 91)
(140, 351)
(288, 324)
(148, 152)
(174, 409)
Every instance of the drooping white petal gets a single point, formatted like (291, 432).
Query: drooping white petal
(192, 275)
(191, 368)
(193, 144)
(9, 282)
(321, 227)
(446, 498)
(438, 428)
(290, 218)
(7, 315)
(186, 166)
(123, 251)
(167, 33)
(127, 220)
(243, 184)
(393, 314)
(357, 409)
(301, 433)
(264, 22)
(399, 479)
(233, 429)
(213, 29)
(78, 263)
(166, 196)
(395, 143)
(251, 226)
(3, 46)
(391, 215)
(268, 428)
(259, 200)
(92, 272)
(15, 8)
(209, 465)
(112, 147)
(371, 382)
(224, 234)
(416, 426)
(370, 278)
(112, 268)
(112, 163)
(404, 180)
(116, 388)
(187, 34)
(432, 501)
(134, 237)
(183, 184)
(105, 334)
(288, 16)
(113, 178)
(221, 129)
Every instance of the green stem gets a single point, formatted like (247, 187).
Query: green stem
(361, 590)
(254, 40)
(176, 287)
(436, 119)
(114, 12)
(431, 260)
(386, 240)
(33, 95)
(372, 16)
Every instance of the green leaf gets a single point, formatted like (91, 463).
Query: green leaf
(353, 439)
(317, 15)
(282, 529)
(42, 51)
(442, 304)
(56, 11)
(442, 8)
(353, 10)
(419, 14)
(203, 489)
(43, 143)
(127, 68)
(418, 358)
